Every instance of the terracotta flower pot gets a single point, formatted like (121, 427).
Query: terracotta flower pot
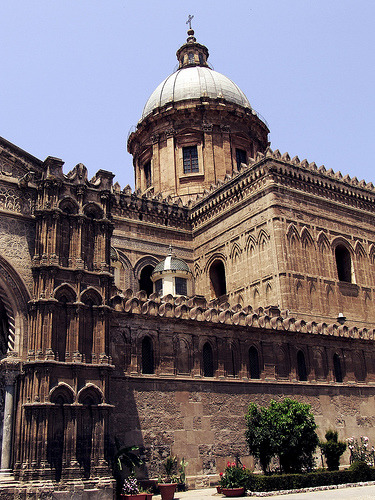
(148, 496)
(233, 492)
(167, 490)
(218, 489)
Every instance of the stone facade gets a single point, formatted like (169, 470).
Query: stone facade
(282, 258)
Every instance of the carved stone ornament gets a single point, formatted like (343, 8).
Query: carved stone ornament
(207, 127)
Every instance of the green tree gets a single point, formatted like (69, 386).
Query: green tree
(259, 435)
(285, 429)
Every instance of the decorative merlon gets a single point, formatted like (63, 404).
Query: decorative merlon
(198, 309)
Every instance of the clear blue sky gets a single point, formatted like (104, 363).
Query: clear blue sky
(75, 74)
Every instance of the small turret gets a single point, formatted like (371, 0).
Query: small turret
(172, 276)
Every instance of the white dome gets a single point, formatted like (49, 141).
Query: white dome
(192, 83)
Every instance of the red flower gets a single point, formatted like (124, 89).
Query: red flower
(228, 464)
(233, 464)
(220, 474)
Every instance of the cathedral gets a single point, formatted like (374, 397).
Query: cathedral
(231, 274)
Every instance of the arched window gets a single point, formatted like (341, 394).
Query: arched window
(147, 356)
(145, 282)
(337, 368)
(217, 279)
(301, 366)
(343, 263)
(254, 363)
(208, 361)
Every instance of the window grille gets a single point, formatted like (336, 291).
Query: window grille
(181, 286)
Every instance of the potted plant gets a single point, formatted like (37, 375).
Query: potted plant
(130, 490)
(167, 484)
(233, 480)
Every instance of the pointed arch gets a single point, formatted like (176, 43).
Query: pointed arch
(250, 244)
(372, 253)
(323, 243)
(93, 210)
(69, 206)
(90, 394)
(235, 251)
(67, 291)
(292, 233)
(62, 393)
(91, 294)
(359, 250)
(197, 270)
(263, 237)
(306, 238)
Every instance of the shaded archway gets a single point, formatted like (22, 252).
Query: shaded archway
(217, 279)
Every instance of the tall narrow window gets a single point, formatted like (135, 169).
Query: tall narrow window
(337, 368)
(159, 286)
(147, 356)
(253, 362)
(147, 170)
(145, 282)
(190, 157)
(240, 157)
(191, 57)
(343, 263)
(208, 361)
(301, 366)
(217, 279)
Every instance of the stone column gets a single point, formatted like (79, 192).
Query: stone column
(10, 376)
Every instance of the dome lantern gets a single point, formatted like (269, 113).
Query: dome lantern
(192, 53)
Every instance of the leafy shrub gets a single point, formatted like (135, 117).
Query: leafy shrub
(278, 482)
(361, 470)
(332, 449)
